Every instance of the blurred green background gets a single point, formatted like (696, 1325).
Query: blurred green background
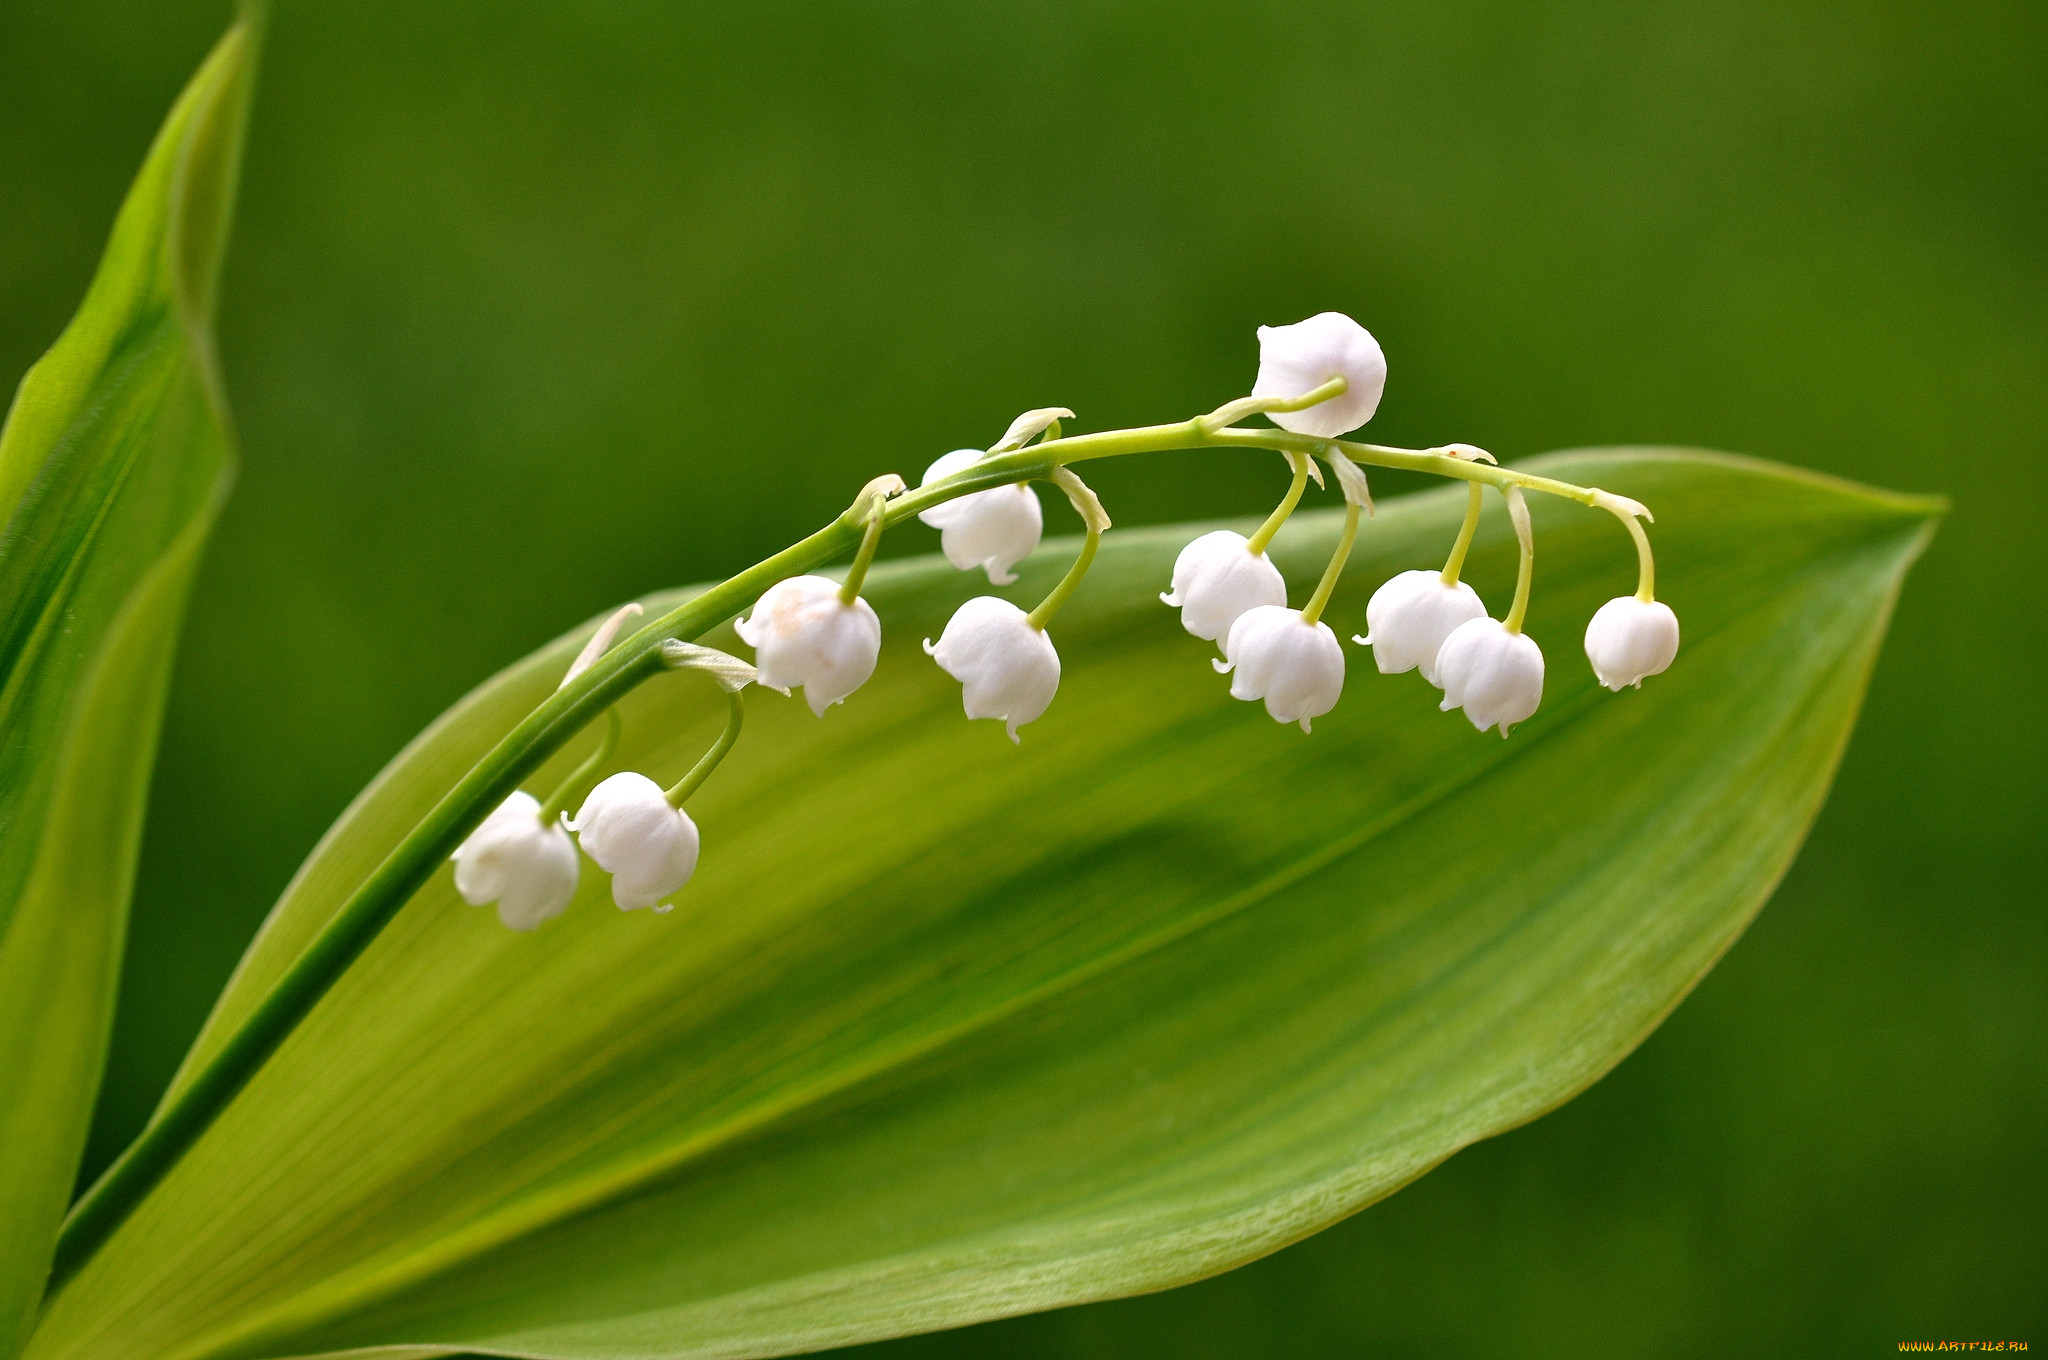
(535, 306)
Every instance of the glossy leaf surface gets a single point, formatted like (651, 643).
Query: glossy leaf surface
(112, 466)
(946, 1029)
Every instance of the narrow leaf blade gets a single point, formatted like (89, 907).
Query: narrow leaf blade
(113, 463)
(947, 1029)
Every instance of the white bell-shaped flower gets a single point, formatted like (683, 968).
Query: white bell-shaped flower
(1408, 618)
(1494, 675)
(1630, 639)
(994, 529)
(1296, 666)
(1218, 577)
(648, 847)
(525, 865)
(803, 634)
(1296, 360)
(1006, 668)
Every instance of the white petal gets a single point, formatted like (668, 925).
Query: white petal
(1631, 639)
(1409, 617)
(1295, 360)
(994, 530)
(527, 868)
(544, 890)
(959, 460)
(1216, 578)
(1494, 675)
(1295, 666)
(663, 865)
(1006, 668)
(649, 848)
(804, 634)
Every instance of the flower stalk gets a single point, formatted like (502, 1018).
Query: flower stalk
(1265, 532)
(735, 716)
(1454, 565)
(1632, 514)
(876, 496)
(1312, 612)
(1525, 571)
(580, 778)
(1096, 519)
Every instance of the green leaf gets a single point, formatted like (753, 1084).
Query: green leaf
(947, 1029)
(113, 464)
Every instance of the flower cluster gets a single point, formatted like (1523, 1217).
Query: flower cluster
(523, 860)
(1426, 621)
(1317, 380)
(521, 856)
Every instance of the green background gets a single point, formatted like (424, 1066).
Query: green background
(534, 306)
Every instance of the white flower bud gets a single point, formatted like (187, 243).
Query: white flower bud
(1297, 667)
(648, 847)
(1630, 639)
(526, 866)
(1296, 360)
(993, 529)
(1216, 578)
(1006, 668)
(1408, 618)
(1494, 675)
(803, 634)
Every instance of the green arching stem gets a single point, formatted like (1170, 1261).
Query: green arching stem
(1456, 562)
(736, 713)
(1050, 605)
(1312, 612)
(559, 717)
(856, 574)
(1256, 544)
(566, 792)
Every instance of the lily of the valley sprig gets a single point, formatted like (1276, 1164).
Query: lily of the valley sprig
(1317, 380)
(521, 857)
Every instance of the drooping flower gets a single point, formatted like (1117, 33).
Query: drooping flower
(1630, 639)
(1494, 675)
(993, 529)
(648, 847)
(525, 865)
(803, 634)
(1216, 578)
(1006, 668)
(1408, 618)
(1296, 666)
(1295, 360)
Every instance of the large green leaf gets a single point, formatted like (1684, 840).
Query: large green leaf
(947, 1029)
(113, 463)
